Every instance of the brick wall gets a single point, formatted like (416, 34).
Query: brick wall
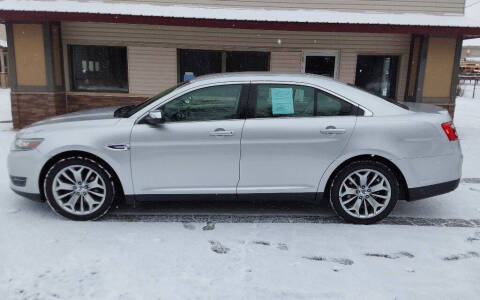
(80, 102)
(28, 108)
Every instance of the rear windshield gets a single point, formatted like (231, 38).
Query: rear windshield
(393, 101)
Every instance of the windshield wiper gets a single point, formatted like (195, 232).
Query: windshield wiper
(120, 112)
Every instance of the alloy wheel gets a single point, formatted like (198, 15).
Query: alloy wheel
(79, 189)
(365, 193)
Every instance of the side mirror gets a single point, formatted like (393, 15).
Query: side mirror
(154, 118)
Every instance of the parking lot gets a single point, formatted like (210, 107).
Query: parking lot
(428, 249)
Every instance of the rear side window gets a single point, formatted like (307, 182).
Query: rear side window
(279, 100)
(283, 100)
(329, 105)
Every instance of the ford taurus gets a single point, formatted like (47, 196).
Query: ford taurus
(242, 136)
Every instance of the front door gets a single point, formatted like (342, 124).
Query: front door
(294, 134)
(196, 150)
(321, 63)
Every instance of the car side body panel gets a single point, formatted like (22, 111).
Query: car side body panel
(287, 155)
(186, 157)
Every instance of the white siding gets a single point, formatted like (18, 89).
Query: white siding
(3, 33)
(150, 69)
(392, 6)
(285, 62)
(285, 46)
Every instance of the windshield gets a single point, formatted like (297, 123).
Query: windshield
(130, 110)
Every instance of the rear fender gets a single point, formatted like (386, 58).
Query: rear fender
(404, 168)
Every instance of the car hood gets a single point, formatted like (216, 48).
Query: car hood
(84, 115)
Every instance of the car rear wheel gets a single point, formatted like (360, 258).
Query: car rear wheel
(79, 188)
(364, 192)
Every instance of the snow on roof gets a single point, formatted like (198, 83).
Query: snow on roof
(3, 44)
(244, 14)
(471, 42)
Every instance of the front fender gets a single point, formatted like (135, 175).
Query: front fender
(119, 161)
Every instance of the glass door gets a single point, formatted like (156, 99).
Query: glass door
(377, 74)
(324, 62)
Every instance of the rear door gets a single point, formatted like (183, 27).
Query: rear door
(292, 135)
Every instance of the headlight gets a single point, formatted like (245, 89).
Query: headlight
(27, 144)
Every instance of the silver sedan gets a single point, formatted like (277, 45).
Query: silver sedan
(242, 136)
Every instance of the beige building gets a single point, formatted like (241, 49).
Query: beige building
(3, 58)
(82, 54)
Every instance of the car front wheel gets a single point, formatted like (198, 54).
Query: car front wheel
(364, 192)
(79, 188)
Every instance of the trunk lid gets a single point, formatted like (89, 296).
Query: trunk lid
(425, 108)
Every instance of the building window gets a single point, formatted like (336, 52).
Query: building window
(321, 62)
(198, 62)
(241, 61)
(4, 67)
(98, 68)
(377, 74)
(194, 63)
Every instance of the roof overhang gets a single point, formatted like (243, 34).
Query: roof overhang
(241, 18)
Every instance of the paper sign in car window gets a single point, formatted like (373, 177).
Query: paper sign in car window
(282, 101)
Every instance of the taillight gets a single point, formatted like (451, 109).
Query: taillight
(450, 131)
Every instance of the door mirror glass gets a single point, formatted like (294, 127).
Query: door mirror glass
(154, 118)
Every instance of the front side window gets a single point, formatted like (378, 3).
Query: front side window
(98, 68)
(284, 100)
(206, 104)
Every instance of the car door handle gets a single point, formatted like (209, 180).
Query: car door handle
(221, 132)
(333, 130)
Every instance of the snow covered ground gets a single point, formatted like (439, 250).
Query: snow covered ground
(43, 256)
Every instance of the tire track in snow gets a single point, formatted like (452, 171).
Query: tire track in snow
(245, 218)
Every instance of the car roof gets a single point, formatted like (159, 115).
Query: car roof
(262, 76)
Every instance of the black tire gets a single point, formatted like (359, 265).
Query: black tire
(355, 166)
(87, 162)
